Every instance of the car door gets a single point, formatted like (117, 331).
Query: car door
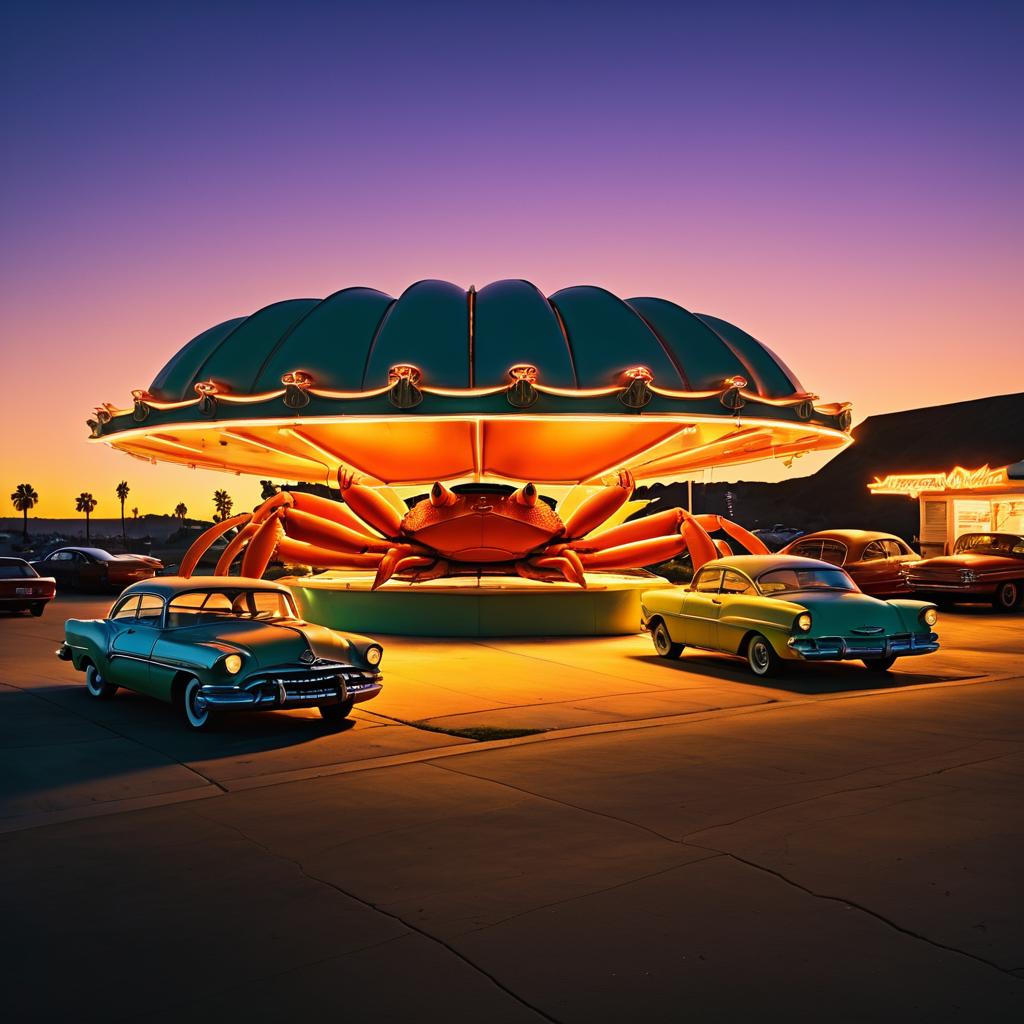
(734, 589)
(58, 565)
(135, 627)
(700, 609)
(874, 571)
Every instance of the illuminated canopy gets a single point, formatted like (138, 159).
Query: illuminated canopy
(496, 384)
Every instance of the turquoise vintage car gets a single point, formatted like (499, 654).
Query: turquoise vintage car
(213, 644)
(777, 609)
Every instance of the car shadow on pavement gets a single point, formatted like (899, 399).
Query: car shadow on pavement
(811, 680)
(57, 738)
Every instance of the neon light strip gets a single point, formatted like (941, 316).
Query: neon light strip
(256, 442)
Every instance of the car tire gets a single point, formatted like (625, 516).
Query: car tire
(335, 714)
(197, 719)
(880, 664)
(96, 686)
(664, 645)
(1008, 596)
(37, 608)
(761, 657)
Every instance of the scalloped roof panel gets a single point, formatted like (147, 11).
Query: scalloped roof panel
(579, 337)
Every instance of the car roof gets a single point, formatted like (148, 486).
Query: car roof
(12, 561)
(754, 565)
(169, 586)
(849, 535)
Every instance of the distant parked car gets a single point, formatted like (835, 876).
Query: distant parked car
(875, 561)
(777, 609)
(221, 643)
(778, 535)
(95, 569)
(983, 567)
(22, 588)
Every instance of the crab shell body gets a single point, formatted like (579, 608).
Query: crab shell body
(476, 528)
(482, 526)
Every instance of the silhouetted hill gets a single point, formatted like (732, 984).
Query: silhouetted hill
(969, 434)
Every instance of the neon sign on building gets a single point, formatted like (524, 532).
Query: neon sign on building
(958, 479)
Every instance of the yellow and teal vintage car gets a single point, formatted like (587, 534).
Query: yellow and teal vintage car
(214, 644)
(777, 609)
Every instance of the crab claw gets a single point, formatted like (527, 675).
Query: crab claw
(441, 495)
(526, 495)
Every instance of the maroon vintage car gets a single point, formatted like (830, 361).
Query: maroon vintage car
(22, 588)
(982, 567)
(874, 560)
(96, 569)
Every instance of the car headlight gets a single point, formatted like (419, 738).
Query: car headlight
(803, 622)
(233, 664)
(374, 654)
(929, 616)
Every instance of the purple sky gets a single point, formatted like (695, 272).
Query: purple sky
(843, 181)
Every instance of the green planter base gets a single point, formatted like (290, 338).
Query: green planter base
(464, 606)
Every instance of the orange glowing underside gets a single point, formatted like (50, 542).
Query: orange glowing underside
(545, 449)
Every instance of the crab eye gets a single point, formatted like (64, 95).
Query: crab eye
(441, 495)
(526, 495)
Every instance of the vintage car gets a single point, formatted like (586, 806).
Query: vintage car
(983, 567)
(95, 569)
(221, 643)
(777, 609)
(875, 561)
(22, 588)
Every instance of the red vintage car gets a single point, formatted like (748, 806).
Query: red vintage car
(96, 569)
(982, 567)
(22, 588)
(875, 561)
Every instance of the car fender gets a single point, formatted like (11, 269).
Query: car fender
(87, 640)
(745, 615)
(910, 614)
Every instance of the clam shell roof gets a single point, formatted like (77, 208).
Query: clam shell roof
(578, 338)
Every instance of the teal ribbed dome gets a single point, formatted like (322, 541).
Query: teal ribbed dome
(579, 337)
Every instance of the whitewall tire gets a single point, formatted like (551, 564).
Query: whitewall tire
(96, 686)
(197, 716)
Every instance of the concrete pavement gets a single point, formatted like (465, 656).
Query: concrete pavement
(683, 843)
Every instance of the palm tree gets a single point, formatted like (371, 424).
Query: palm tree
(135, 513)
(23, 498)
(85, 502)
(181, 510)
(223, 503)
(122, 496)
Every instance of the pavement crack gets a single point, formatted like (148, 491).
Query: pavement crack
(370, 905)
(596, 892)
(888, 921)
(840, 792)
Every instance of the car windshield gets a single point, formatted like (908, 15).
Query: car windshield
(989, 544)
(788, 581)
(15, 570)
(201, 606)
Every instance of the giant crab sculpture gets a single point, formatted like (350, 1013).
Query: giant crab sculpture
(476, 529)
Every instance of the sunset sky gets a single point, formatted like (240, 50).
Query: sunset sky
(842, 181)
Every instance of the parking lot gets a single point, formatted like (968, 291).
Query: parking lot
(638, 835)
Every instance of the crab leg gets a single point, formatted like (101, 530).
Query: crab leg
(366, 503)
(324, 558)
(568, 564)
(661, 524)
(390, 562)
(598, 507)
(325, 508)
(262, 545)
(235, 545)
(709, 522)
(640, 552)
(314, 529)
(202, 543)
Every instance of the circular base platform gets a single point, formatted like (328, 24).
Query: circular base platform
(471, 606)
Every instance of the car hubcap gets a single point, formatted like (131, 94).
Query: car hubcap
(93, 681)
(759, 656)
(1008, 597)
(660, 640)
(194, 707)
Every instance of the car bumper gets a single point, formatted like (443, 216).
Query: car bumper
(840, 648)
(290, 691)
